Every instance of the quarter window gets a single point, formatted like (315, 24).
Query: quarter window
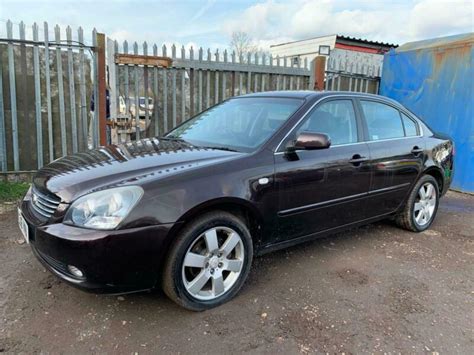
(410, 126)
(383, 121)
(336, 119)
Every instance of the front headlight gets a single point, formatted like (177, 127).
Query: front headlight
(103, 209)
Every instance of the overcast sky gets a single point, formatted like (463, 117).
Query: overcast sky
(210, 23)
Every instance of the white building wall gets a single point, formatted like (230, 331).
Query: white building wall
(308, 49)
(339, 59)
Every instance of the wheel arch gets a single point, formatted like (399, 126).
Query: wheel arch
(236, 206)
(436, 172)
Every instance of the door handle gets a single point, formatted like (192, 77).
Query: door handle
(357, 159)
(417, 150)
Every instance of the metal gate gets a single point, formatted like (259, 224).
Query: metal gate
(152, 90)
(353, 71)
(46, 85)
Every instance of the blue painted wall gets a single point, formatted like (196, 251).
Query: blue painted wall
(435, 80)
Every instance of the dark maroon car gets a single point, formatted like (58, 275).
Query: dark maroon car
(189, 211)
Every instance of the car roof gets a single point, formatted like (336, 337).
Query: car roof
(308, 94)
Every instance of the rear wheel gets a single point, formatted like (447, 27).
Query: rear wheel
(209, 261)
(421, 206)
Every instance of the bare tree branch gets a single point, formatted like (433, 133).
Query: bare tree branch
(242, 43)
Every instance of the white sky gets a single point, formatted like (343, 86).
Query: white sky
(210, 23)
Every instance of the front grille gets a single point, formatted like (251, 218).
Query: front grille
(44, 204)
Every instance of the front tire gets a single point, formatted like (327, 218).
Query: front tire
(209, 261)
(421, 207)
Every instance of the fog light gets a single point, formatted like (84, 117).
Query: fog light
(75, 271)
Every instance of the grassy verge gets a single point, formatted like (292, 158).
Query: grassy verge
(12, 191)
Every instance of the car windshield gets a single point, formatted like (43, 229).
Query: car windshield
(241, 124)
(142, 101)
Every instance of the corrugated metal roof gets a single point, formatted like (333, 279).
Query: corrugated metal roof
(366, 41)
(347, 38)
(301, 40)
(450, 41)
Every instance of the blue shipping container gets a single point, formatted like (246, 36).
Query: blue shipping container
(435, 80)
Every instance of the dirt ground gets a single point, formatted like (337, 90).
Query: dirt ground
(374, 289)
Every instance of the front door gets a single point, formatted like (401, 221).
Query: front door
(323, 189)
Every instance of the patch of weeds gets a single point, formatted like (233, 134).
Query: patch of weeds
(12, 191)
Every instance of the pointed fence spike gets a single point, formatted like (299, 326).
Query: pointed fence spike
(22, 30)
(233, 57)
(225, 55)
(145, 48)
(173, 51)
(155, 49)
(209, 54)
(256, 58)
(163, 49)
(9, 26)
(200, 54)
(135, 47)
(35, 31)
(217, 55)
(271, 60)
(183, 52)
(249, 57)
(191, 53)
(125, 46)
(278, 60)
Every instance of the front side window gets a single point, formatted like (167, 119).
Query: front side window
(241, 124)
(336, 119)
(383, 121)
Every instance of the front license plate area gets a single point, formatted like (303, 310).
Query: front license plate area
(23, 226)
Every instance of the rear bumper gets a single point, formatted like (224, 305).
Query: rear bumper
(117, 261)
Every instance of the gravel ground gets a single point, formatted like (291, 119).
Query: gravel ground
(373, 289)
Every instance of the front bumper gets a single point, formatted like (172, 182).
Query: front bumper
(117, 261)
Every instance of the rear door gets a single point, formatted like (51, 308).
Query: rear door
(323, 189)
(396, 151)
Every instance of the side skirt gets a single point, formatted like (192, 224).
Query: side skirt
(288, 243)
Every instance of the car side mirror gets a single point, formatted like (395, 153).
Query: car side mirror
(310, 141)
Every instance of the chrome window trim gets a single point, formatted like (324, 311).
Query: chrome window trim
(420, 128)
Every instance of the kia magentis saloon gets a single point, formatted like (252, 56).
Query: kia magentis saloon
(188, 211)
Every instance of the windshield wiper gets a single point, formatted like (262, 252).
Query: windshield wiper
(218, 148)
(172, 138)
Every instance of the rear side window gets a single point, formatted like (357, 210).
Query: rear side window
(383, 121)
(410, 126)
(336, 118)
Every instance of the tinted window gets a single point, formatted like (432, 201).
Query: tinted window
(383, 121)
(410, 126)
(336, 119)
(240, 123)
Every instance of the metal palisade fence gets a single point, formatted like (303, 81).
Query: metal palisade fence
(167, 93)
(46, 82)
(353, 71)
(63, 92)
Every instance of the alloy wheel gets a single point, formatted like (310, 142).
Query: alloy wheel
(425, 204)
(213, 263)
